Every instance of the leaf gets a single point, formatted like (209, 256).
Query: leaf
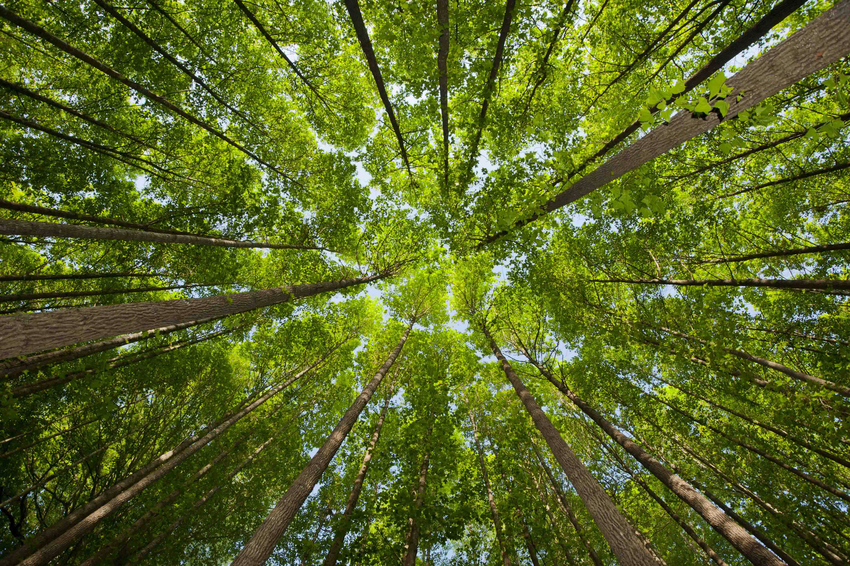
(715, 84)
(702, 107)
(678, 88)
(645, 115)
(726, 148)
(722, 106)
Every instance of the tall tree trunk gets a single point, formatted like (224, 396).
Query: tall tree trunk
(345, 520)
(822, 42)
(529, 544)
(76, 276)
(793, 284)
(566, 509)
(544, 500)
(112, 363)
(28, 333)
(494, 511)
(781, 253)
(265, 538)
(10, 227)
(411, 547)
(798, 375)
(442, 67)
(731, 531)
(620, 535)
(53, 541)
(17, 297)
(13, 368)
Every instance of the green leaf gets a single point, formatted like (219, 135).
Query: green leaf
(715, 84)
(678, 88)
(702, 106)
(722, 106)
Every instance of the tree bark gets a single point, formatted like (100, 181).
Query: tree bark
(822, 42)
(731, 531)
(566, 509)
(442, 67)
(63, 294)
(265, 538)
(529, 544)
(494, 511)
(11, 227)
(13, 368)
(780, 253)
(411, 547)
(75, 276)
(28, 333)
(620, 535)
(345, 521)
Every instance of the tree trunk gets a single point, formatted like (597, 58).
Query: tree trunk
(56, 539)
(529, 544)
(13, 368)
(804, 377)
(10, 227)
(63, 294)
(620, 535)
(265, 538)
(442, 67)
(345, 521)
(566, 509)
(112, 363)
(731, 531)
(781, 253)
(794, 284)
(362, 32)
(411, 547)
(28, 333)
(822, 42)
(76, 276)
(494, 511)
(556, 531)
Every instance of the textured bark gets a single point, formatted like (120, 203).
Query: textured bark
(40, 32)
(663, 504)
(28, 333)
(200, 502)
(13, 368)
(566, 509)
(491, 501)
(556, 531)
(823, 41)
(411, 547)
(442, 67)
(10, 227)
(356, 16)
(46, 552)
(731, 531)
(529, 544)
(112, 363)
(798, 375)
(544, 63)
(489, 87)
(791, 179)
(266, 537)
(64, 294)
(345, 521)
(620, 535)
(822, 284)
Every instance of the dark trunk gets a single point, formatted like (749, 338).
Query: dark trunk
(64, 294)
(820, 284)
(411, 547)
(442, 67)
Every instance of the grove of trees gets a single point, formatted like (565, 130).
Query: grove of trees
(459, 283)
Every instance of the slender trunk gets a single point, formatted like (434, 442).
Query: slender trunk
(200, 502)
(106, 70)
(663, 504)
(620, 535)
(112, 363)
(804, 377)
(556, 531)
(777, 431)
(11, 227)
(62, 294)
(56, 539)
(542, 71)
(820, 43)
(800, 176)
(731, 531)
(529, 544)
(795, 284)
(345, 521)
(28, 333)
(13, 368)
(411, 547)
(782, 253)
(566, 509)
(494, 511)
(265, 538)
(76, 276)
(442, 67)
(362, 32)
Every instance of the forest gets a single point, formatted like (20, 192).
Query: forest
(447, 283)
